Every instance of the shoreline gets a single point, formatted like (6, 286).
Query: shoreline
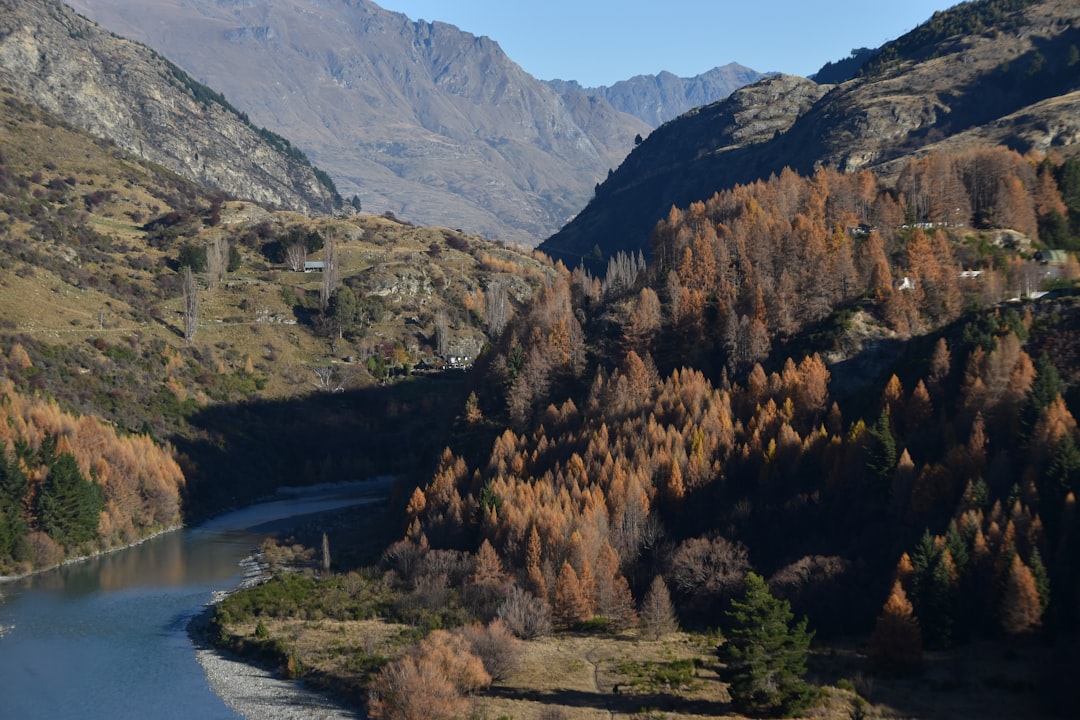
(83, 558)
(251, 690)
(254, 692)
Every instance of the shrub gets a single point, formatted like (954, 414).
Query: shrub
(495, 645)
(526, 615)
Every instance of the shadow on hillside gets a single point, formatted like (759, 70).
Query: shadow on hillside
(616, 703)
(1040, 73)
(236, 453)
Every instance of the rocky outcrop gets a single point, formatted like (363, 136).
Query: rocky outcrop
(123, 91)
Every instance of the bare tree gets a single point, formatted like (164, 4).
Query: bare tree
(217, 260)
(442, 333)
(497, 308)
(332, 378)
(191, 304)
(296, 257)
(324, 563)
(330, 271)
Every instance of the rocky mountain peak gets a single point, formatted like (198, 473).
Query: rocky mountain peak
(124, 91)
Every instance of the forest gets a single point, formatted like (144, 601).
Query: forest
(826, 406)
(70, 485)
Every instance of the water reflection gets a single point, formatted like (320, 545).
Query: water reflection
(107, 637)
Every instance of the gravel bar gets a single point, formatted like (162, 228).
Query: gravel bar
(253, 692)
(258, 694)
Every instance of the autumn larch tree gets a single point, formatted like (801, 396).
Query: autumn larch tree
(1021, 607)
(896, 643)
(765, 654)
(430, 682)
(571, 606)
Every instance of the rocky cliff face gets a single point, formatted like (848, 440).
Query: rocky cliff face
(1016, 83)
(421, 119)
(662, 97)
(125, 92)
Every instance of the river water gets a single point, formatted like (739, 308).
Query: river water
(107, 637)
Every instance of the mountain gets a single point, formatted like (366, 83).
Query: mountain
(124, 91)
(421, 119)
(662, 97)
(993, 72)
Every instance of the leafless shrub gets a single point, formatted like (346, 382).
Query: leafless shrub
(526, 615)
(404, 558)
(705, 572)
(456, 565)
(496, 647)
(812, 585)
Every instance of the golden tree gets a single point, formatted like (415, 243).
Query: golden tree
(896, 643)
(571, 606)
(1021, 609)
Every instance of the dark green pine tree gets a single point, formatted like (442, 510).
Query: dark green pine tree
(13, 489)
(1042, 578)
(68, 505)
(938, 602)
(932, 592)
(765, 653)
(881, 448)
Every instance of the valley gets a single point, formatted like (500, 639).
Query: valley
(783, 423)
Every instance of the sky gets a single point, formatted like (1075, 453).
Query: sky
(599, 42)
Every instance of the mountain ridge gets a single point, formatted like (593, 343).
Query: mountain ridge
(124, 91)
(1009, 84)
(417, 118)
(664, 96)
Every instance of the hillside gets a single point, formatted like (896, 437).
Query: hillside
(1013, 83)
(92, 291)
(418, 118)
(123, 91)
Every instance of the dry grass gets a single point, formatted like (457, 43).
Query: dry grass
(71, 294)
(589, 677)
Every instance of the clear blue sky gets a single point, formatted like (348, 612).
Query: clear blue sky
(598, 42)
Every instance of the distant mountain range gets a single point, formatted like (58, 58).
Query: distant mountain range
(997, 72)
(659, 98)
(421, 119)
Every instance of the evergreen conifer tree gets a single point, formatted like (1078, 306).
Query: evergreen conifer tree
(69, 506)
(765, 653)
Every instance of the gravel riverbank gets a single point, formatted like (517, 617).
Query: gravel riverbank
(257, 693)
(251, 691)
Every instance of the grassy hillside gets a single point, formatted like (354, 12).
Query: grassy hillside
(91, 293)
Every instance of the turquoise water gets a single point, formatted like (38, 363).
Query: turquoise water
(107, 637)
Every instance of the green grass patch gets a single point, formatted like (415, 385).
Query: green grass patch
(651, 677)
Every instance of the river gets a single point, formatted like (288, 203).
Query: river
(107, 637)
